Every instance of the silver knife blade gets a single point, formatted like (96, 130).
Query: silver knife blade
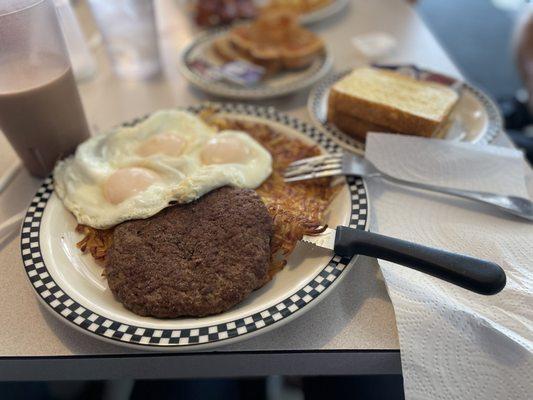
(325, 240)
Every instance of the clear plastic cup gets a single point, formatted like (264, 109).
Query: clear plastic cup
(130, 35)
(41, 113)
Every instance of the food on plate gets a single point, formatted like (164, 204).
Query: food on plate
(194, 259)
(299, 6)
(375, 99)
(274, 41)
(139, 255)
(356, 127)
(297, 209)
(171, 157)
(221, 12)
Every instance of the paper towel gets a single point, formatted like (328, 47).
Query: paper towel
(456, 344)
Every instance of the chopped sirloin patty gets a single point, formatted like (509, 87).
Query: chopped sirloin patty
(194, 259)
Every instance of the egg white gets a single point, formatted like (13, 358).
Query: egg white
(80, 178)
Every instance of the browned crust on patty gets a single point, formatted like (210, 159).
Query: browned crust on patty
(195, 259)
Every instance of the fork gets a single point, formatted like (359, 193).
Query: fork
(351, 164)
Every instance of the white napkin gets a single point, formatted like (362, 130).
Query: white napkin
(456, 344)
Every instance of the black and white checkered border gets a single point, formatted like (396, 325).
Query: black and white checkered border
(312, 74)
(316, 102)
(68, 308)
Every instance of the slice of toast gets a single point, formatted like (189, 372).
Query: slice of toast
(224, 48)
(392, 100)
(355, 127)
(274, 41)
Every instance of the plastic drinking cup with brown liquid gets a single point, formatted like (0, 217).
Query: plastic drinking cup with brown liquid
(40, 108)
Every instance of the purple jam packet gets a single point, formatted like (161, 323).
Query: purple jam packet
(242, 72)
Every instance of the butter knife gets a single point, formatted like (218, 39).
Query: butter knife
(476, 275)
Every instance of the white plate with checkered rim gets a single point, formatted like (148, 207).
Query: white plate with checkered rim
(72, 287)
(476, 115)
(280, 84)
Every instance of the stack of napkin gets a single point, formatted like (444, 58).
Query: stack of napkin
(456, 344)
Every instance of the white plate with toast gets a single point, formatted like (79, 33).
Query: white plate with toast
(275, 85)
(70, 283)
(474, 118)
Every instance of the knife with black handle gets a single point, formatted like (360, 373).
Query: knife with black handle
(480, 276)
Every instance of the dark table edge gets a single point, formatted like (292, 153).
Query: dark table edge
(201, 365)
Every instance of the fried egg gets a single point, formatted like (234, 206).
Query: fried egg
(171, 157)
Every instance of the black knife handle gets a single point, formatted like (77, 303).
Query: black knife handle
(480, 276)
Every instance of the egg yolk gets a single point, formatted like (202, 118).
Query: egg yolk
(164, 143)
(127, 182)
(225, 150)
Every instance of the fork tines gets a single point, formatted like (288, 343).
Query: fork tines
(314, 167)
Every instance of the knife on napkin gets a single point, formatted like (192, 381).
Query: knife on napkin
(480, 276)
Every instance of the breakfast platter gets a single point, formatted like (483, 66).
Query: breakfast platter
(232, 188)
(74, 286)
(212, 65)
(475, 117)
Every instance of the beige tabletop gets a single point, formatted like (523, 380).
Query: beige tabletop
(356, 318)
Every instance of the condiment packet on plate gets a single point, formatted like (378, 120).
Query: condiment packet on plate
(205, 69)
(239, 72)
(242, 72)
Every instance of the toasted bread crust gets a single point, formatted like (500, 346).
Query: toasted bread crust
(225, 49)
(355, 127)
(392, 100)
(275, 41)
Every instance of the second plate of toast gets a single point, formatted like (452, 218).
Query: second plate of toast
(401, 99)
(268, 57)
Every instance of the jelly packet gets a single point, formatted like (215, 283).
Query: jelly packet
(239, 72)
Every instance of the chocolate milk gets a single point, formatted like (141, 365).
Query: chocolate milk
(41, 113)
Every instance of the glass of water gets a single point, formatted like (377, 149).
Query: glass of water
(130, 35)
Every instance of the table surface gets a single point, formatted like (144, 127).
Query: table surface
(352, 331)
